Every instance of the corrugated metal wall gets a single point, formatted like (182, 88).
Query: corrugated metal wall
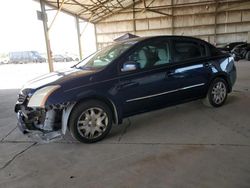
(214, 22)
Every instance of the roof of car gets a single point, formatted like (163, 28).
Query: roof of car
(140, 39)
(161, 36)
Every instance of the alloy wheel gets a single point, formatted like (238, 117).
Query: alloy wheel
(92, 123)
(219, 92)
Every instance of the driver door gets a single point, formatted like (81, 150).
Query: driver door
(147, 87)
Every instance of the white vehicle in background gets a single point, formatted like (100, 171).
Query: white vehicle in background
(71, 56)
(25, 57)
(62, 58)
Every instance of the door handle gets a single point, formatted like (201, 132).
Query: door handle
(175, 74)
(123, 85)
(131, 84)
(170, 73)
(207, 65)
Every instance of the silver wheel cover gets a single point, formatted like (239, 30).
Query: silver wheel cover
(219, 92)
(92, 123)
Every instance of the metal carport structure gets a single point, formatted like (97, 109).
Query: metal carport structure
(89, 11)
(216, 21)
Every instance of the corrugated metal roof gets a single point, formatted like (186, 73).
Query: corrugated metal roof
(91, 10)
(95, 10)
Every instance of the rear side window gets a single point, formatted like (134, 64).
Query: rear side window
(214, 51)
(185, 50)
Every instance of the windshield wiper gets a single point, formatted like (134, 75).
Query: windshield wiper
(75, 66)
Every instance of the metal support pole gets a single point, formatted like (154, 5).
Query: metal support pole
(172, 17)
(96, 42)
(215, 21)
(78, 36)
(46, 34)
(134, 23)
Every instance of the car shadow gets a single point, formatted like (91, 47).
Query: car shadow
(150, 119)
(164, 118)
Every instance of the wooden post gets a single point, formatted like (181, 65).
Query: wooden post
(78, 36)
(46, 34)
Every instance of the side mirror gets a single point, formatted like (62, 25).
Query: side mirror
(129, 66)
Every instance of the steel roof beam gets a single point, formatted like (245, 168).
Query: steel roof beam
(120, 4)
(104, 8)
(86, 8)
(69, 3)
(103, 5)
(101, 14)
(58, 11)
(117, 10)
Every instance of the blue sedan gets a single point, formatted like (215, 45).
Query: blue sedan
(121, 80)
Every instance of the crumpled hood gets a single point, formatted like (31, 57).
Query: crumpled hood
(57, 77)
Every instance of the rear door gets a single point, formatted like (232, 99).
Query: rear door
(193, 64)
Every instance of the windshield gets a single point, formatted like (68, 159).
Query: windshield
(105, 56)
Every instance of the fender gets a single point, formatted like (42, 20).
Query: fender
(67, 111)
(65, 117)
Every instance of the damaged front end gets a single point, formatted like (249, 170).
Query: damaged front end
(41, 123)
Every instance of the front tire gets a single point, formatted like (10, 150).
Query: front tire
(217, 93)
(90, 121)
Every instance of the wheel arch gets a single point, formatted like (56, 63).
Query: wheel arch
(105, 100)
(224, 77)
(69, 109)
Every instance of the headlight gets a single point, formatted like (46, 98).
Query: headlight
(39, 98)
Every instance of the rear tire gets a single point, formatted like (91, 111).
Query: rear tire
(90, 121)
(217, 93)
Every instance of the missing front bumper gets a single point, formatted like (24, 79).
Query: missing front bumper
(37, 135)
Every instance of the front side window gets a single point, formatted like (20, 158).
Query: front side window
(151, 54)
(186, 50)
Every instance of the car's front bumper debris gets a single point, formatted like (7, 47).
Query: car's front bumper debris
(35, 133)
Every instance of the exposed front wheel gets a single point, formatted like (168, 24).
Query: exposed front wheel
(217, 93)
(90, 121)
